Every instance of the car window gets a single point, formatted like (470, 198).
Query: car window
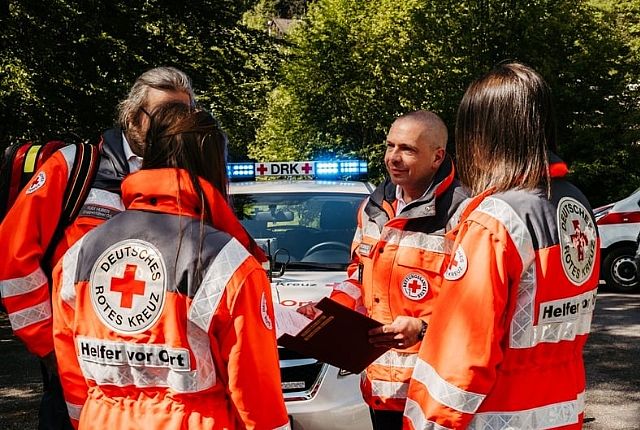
(309, 227)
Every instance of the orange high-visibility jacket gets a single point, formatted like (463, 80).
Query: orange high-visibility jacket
(161, 324)
(504, 346)
(30, 224)
(396, 270)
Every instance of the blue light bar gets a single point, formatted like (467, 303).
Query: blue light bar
(327, 169)
(333, 169)
(241, 171)
(353, 167)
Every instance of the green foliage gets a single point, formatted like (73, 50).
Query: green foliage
(354, 66)
(66, 65)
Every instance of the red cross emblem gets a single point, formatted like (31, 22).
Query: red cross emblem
(579, 239)
(307, 168)
(128, 286)
(414, 286)
(261, 169)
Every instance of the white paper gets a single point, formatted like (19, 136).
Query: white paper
(288, 320)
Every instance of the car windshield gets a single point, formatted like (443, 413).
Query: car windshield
(313, 231)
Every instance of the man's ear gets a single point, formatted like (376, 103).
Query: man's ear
(438, 157)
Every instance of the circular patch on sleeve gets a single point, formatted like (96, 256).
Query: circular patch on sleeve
(128, 286)
(577, 235)
(415, 286)
(264, 311)
(37, 183)
(458, 265)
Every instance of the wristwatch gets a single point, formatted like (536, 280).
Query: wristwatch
(423, 330)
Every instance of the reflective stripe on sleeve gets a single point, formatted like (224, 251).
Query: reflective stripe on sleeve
(522, 322)
(357, 237)
(545, 417)
(69, 154)
(69, 269)
(206, 300)
(444, 392)
(26, 284)
(389, 390)
(284, 427)
(32, 315)
(74, 411)
(414, 414)
(204, 305)
(397, 359)
(349, 289)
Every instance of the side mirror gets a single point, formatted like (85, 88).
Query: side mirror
(267, 245)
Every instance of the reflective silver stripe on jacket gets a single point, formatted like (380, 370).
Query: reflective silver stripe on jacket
(403, 238)
(414, 414)
(370, 229)
(397, 359)
(69, 269)
(445, 392)
(349, 289)
(287, 426)
(127, 363)
(545, 417)
(69, 153)
(104, 198)
(389, 390)
(74, 410)
(23, 285)
(32, 315)
(204, 305)
(567, 329)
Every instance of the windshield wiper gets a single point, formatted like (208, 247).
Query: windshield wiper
(316, 266)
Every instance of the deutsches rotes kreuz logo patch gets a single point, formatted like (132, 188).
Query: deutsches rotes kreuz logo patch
(41, 178)
(458, 266)
(264, 311)
(128, 286)
(415, 286)
(577, 240)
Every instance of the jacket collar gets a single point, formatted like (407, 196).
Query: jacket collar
(384, 196)
(171, 191)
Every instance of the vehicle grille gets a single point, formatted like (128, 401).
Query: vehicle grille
(301, 375)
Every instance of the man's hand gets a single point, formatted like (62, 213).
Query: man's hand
(310, 311)
(401, 333)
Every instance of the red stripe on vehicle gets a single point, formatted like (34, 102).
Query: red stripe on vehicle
(619, 218)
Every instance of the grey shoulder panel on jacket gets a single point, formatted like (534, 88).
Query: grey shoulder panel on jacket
(185, 250)
(541, 215)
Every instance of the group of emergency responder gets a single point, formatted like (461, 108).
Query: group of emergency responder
(161, 317)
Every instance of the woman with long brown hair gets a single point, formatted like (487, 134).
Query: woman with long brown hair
(162, 316)
(503, 349)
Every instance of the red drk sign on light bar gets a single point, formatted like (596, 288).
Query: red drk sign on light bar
(285, 168)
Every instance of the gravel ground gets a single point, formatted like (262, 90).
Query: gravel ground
(611, 358)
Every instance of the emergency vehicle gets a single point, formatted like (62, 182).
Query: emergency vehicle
(306, 223)
(618, 225)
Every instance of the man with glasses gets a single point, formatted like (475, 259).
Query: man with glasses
(29, 226)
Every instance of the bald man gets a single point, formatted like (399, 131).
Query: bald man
(399, 254)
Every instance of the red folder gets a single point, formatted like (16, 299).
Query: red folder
(339, 336)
